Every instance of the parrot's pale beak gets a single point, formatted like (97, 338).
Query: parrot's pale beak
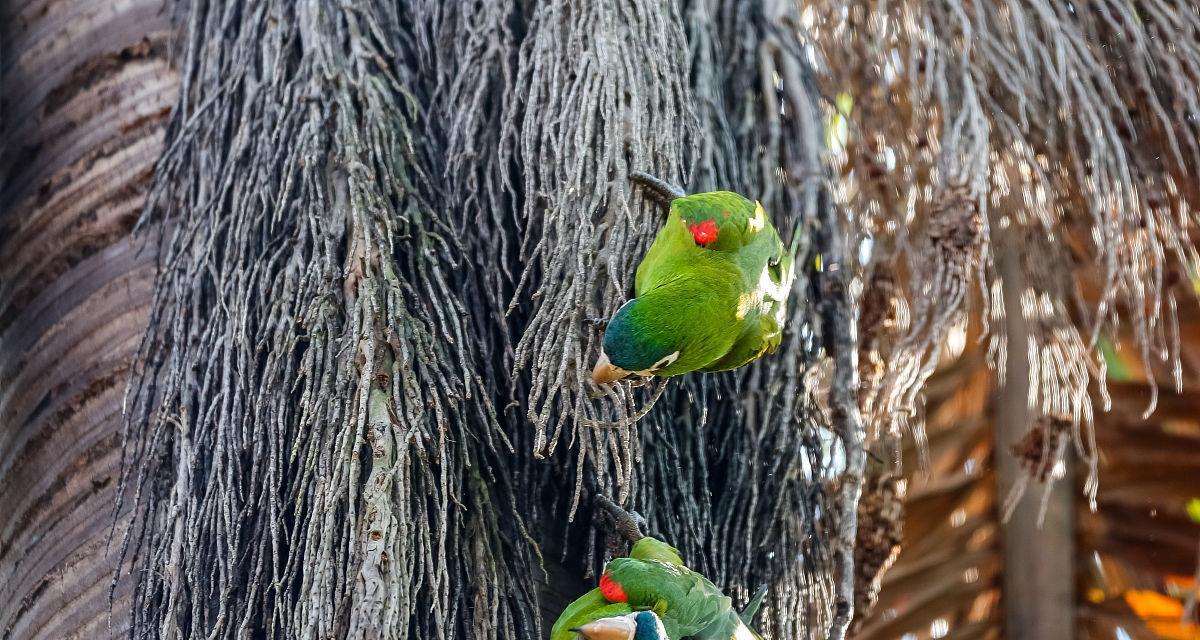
(605, 372)
(608, 629)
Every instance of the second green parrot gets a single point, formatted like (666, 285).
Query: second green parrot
(710, 294)
(650, 595)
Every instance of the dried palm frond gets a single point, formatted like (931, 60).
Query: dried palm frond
(880, 534)
(1041, 448)
(1061, 365)
(942, 274)
(618, 70)
(1076, 123)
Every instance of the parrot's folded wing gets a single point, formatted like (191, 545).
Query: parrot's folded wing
(589, 607)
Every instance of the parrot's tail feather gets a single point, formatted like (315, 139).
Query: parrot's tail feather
(661, 190)
(751, 610)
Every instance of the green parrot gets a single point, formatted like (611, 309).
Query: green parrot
(653, 580)
(710, 294)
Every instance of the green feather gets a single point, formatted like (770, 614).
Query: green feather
(688, 603)
(691, 314)
(592, 605)
(683, 598)
(649, 548)
(751, 610)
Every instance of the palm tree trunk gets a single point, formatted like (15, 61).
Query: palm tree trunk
(87, 87)
(362, 405)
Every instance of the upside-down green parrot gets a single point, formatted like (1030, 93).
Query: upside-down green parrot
(653, 580)
(710, 294)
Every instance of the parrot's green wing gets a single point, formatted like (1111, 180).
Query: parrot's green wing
(586, 608)
(730, 627)
(684, 599)
(756, 341)
(764, 312)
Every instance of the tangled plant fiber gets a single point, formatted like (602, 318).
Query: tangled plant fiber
(1071, 125)
(315, 451)
(384, 229)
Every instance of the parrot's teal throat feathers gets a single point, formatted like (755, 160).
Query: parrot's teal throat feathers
(631, 343)
(647, 627)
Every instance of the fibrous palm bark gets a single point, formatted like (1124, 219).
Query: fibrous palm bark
(382, 227)
(319, 451)
(381, 223)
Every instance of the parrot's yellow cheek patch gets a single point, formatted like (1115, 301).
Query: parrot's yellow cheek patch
(743, 633)
(759, 221)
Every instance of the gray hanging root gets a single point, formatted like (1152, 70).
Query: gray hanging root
(310, 446)
(354, 280)
(617, 70)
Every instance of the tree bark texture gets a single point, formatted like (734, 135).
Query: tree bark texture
(382, 227)
(378, 230)
(87, 88)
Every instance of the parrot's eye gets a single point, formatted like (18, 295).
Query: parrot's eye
(775, 269)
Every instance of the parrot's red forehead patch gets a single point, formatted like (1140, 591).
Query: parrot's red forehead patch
(705, 232)
(611, 590)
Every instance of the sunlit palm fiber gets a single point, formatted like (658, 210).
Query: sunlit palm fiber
(1073, 124)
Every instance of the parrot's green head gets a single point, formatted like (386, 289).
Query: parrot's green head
(640, 625)
(719, 220)
(635, 342)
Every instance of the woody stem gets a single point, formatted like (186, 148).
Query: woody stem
(660, 190)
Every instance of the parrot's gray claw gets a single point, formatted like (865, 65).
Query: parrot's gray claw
(628, 523)
(657, 189)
